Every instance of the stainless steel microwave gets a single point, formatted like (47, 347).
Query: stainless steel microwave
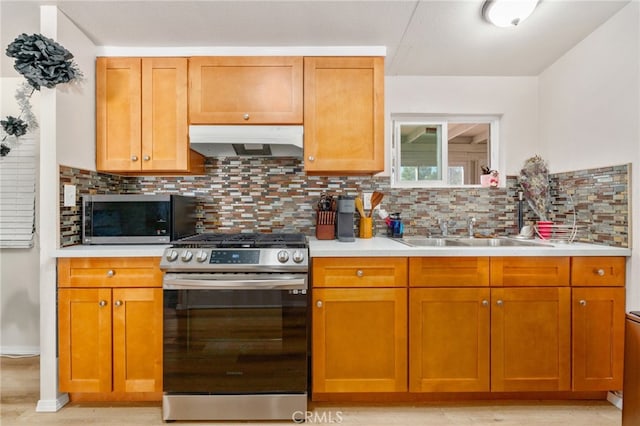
(137, 219)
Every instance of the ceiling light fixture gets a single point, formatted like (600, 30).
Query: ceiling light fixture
(508, 13)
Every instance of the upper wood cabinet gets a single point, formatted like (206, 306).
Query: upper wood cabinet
(343, 115)
(245, 90)
(141, 115)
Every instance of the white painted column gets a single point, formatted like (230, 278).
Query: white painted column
(48, 219)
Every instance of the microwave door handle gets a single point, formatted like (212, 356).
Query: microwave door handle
(177, 283)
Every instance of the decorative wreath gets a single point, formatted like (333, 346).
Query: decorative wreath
(42, 62)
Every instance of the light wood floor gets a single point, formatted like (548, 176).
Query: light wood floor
(19, 390)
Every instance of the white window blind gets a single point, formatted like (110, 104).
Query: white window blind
(18, 194)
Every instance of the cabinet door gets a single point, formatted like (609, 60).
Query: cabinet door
(359, 340)
(343, 115)
(84, 338)
(118, 114)
(530, 339)
(449, 339)
(165, 143)
(245, 90)
(137, 340)
(598, 338)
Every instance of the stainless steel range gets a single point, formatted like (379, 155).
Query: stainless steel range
(235, 327)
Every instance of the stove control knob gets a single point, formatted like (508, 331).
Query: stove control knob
(187, 256)
(172, 255)
(283, 256)
(201, 256)
(298, 256)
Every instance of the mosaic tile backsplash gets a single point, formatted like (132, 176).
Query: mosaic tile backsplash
(275, 195)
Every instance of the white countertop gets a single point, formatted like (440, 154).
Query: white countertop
(142, 250)
(372, 247)
(388, 247)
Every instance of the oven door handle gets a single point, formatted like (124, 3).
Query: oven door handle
(172, 282)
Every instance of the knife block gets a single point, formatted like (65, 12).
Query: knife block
(326, 225)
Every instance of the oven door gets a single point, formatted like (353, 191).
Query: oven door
(233, 334)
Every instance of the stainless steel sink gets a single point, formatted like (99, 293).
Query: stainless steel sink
(469, 242)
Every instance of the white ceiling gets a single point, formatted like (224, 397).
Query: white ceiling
(423, 37)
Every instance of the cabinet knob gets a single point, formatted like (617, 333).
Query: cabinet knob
(319, 303)
(146, 158)
(111, 273)
(600, 272)
(499, 302)
(311, 158)
(583, 302)
(245, 117)
(485, 302)
(134, 158)
(360, 273)
(102, 303)
(118, 303)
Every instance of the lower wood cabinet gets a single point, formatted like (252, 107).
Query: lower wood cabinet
(507, 324)
(110, 339)
(359, 340)
(110, 328)
(449, 339)
(598, 338)
(531, 339)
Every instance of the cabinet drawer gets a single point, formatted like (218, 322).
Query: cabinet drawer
(449, 271)
(598, 271)
(359, 272)
(530, 271)
(109, 272)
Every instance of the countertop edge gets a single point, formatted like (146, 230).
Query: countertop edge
(387, 247)
(112, 251)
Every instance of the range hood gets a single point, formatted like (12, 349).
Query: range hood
(233, 141)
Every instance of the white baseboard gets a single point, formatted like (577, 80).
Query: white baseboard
(615, 398)
(52, 405)
(19, 351)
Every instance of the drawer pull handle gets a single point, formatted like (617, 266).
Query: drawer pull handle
(118, 303)
(583, 302)
(146, 158)
(600, 272)
(312, 158)
(102, 303)
(111, 273)
(499, 302)
(485, 302)
(360, 273)
(319, 303)
(245, 117)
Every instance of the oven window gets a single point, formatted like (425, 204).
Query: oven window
(235, 341)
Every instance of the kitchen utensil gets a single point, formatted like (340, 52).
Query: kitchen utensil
(376, 199)
(360, 206)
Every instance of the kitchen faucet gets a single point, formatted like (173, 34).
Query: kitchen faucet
(444, 227)
(470, 224)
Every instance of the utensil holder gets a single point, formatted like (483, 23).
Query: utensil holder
(366, 227)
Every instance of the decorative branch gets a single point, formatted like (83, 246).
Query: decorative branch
(42, 62)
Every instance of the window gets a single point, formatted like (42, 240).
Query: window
(17, 194)
(432, 151)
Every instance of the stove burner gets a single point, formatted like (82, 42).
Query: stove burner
(243, 240)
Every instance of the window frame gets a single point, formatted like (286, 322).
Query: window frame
(398, 120)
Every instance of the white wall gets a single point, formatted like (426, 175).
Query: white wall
(76, 103)
(514, 98)
(590, 112)
(19, 274)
